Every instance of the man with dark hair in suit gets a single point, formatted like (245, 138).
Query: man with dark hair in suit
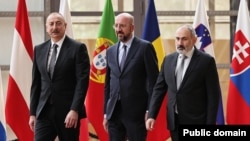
(132, 70)
(190, 79)
(60, 78)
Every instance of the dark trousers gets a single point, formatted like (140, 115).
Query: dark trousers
(121, 129)
(175, 133)
(50, 124)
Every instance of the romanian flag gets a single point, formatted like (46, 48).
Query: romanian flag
(204, 43)
(151, 33)
(238, 103)
(18, 91)
(95, 96)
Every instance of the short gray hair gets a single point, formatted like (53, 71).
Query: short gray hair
(190, 28)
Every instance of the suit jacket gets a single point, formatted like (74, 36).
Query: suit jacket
(198, 96)
(67, 89)
(134, 83)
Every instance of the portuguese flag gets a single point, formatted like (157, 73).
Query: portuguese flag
(95, 96)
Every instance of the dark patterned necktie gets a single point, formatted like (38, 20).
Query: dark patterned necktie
(53, 60)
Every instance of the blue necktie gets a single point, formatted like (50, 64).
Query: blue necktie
(123, 57)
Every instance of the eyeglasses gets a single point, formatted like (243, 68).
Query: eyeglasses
(120, 26)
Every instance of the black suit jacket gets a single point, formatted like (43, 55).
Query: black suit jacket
(67, 89)
(134, 83)
(198, 96)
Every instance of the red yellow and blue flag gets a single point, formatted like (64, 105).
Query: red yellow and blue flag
(151, 33)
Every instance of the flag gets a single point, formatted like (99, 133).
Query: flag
(19, 83)
(151, 33)
(3, 136)
(201, 26)
(95, 97)
(204, 43)
(65, 11)
(238, 103)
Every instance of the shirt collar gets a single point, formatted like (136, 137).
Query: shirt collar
(128, 43)
(190, 53)
(59, 43)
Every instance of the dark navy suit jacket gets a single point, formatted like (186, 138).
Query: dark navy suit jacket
(134, 83)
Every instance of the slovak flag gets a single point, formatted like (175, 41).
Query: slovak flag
(204, 43)
(238, 103)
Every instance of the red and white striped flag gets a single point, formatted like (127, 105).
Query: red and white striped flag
(18, 91)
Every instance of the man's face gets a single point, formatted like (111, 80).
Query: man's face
(55, 26)
(184, 40)
(123, 28)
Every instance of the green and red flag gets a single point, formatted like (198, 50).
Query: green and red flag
(95, 97)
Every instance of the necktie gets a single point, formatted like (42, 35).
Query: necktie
(123, 57)
(179, 71)
(53, 60)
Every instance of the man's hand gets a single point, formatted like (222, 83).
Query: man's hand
(71, 119)
(105, 124)
(32, 123)
(150, 124)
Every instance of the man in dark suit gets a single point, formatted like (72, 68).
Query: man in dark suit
(196, 100)
(57, 98)
(128, 87)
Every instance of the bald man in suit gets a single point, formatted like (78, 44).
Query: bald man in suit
(128, 87)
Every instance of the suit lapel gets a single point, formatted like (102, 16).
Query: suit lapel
(62, 54)
(133, 49)
(173, 68)
(193, 62)
(116, 53)
(45, 51)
